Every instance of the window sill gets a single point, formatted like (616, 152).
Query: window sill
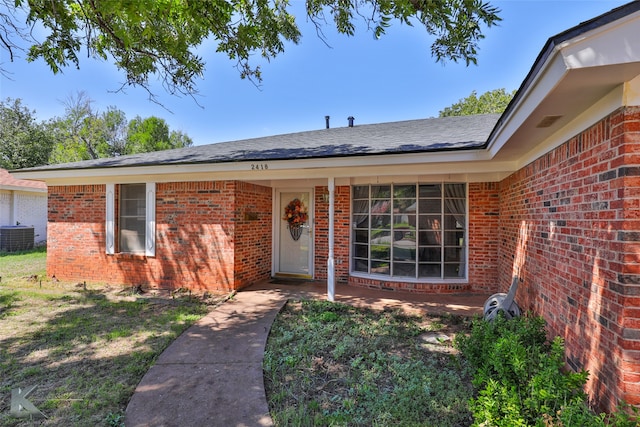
(131, 257)
(394, 279)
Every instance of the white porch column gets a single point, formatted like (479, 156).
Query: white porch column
(331, 285)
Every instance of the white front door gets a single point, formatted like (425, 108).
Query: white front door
(294, 228)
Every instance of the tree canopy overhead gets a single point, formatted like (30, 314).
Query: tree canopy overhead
(149, 38)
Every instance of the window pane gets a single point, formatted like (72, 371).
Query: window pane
(380, 206)
(430, 190)
(429, 270)
(381, 252)
(452, 271)
(132, 191)
(404, 222)
(361, 192)
(453, 238)
(404, 206)
(430, 255)
(429, 238)
(380, 237)
(380, 267)
(361, 236)
(405, 251)
(361, 251)
(452, 254)
(430, 206)
(454, 206)
(132, 232)
(430, 222)
(381, 221)
(404, 191)
(455, 191)
(132, 207)
(404, 269)
(361, 206)
(361, 265)
(380, 191)
(452, 222)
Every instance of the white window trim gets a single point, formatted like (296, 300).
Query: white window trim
(150, 220)
(150, 231)
(110, 235)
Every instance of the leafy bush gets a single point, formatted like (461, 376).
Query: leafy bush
(521, 378)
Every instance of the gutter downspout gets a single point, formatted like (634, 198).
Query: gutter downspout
(331, 289)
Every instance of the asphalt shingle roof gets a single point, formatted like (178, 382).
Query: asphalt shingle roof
(9, 182)
(412, 136)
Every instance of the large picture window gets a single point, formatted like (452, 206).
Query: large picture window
(415, 231)
(136, 222)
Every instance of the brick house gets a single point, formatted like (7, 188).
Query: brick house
(549, 190)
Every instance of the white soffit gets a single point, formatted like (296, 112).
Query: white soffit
(577, 75)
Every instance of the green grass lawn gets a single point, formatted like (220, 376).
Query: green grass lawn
(329, 364)
(84, 349)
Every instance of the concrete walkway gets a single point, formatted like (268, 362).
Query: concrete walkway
(211, 375)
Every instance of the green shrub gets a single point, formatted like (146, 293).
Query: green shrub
(521, 378)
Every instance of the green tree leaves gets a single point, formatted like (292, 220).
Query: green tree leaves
(23, 141)
(152, 134)
(81, 134)
(159, 38)
(494, 101)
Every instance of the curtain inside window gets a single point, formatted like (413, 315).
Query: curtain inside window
(455, 204)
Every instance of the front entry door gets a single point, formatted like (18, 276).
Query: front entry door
(295, 234)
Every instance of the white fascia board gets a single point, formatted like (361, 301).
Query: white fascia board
(545, 81)
(470, 160)
(615, 43)
(23, 189)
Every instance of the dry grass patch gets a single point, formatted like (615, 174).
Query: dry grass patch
(84, 347)
(333, 364)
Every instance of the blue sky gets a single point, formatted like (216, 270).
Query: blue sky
(390, 79)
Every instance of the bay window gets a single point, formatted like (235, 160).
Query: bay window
(410, 231)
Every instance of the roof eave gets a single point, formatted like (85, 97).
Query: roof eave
(556, 68)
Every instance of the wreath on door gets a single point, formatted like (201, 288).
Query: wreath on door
(295, 213)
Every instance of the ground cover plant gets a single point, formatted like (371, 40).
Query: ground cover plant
(85, 347)
(333, 364)
(522, 379)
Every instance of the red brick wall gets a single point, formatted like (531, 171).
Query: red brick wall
(484, 225)
(196, 245)
(253, 212)
(342, 221)
(75, 232)
(195, 236)
(569, 224)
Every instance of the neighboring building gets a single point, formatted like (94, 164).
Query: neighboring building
(548, 191)
(23, 203)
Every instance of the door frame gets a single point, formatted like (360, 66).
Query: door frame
(278, 223)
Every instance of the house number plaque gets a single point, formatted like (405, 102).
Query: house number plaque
(259, 166)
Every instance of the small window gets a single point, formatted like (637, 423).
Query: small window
(135, 225)
(132, 220)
